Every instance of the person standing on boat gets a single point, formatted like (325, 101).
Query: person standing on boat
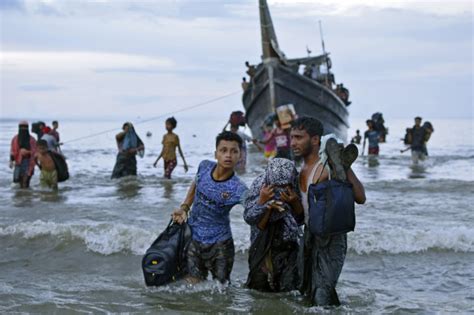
(322, 258)
(129, 145)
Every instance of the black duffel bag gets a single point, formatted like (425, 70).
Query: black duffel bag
(165, 260)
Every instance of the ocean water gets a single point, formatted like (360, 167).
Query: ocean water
(79, 249)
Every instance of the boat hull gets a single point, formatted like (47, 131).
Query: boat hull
(276, 85)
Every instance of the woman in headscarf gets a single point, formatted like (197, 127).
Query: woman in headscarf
(129, 145)
(22, 152)
(274, 211)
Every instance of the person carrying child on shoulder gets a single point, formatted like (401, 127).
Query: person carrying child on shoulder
(168, 153)
(213, 193)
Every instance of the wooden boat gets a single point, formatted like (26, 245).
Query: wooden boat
(278, 81)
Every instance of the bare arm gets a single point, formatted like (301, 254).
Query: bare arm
(158, 158)
(357, 187)
(180, 215)
(182, 156)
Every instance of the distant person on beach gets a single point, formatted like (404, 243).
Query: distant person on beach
(274, 212)
(170, 142)
(418, 145)
(129, 145)
(322, 258)
(49, 175)
(282, 139)
(213, 193)
(269, 141)
(374, 138)
(50, 139)
(22, 152)
(356, 139)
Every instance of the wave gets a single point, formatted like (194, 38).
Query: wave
(108, 238)
(401, 240)
(428, 185)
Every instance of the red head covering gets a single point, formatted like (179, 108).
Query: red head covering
(46, 130)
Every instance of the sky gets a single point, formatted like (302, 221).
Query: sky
(71, 59)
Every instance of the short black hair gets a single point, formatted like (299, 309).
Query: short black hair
(42, 143)
(310, 124)
(172, 121)
(229, 136)
(54, 122)
(369, 121)
(418, 118)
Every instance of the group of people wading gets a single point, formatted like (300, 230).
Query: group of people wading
(26, 153)
(285, 253)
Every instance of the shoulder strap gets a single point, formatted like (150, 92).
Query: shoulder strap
(321, 174)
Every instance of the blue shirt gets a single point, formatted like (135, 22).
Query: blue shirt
(209, 217)
(373, 138)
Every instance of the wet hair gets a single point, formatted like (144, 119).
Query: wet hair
(172, 121)
(229, 136)
(55, 122)
(418, 118)
(311, 125)
(42, 143)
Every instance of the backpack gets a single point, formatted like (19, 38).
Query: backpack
(61, 166)
(165, 260)
(331, 208)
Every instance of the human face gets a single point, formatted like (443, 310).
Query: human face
(125, 128)
(168, 127)
(418, 122)
(301, 143)
(227, 154)
(55, 125)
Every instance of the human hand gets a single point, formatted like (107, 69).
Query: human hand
(154, 164)
(186, 168)
(289, 196)
(12, 164)
(266, 193)
(179, 216)
(132, 151)
(276, 205)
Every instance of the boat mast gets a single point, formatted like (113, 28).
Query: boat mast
(324, 52)
(269, 39)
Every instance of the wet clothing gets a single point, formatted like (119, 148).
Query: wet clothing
(170, 143)
(49, 179)
(24, 162)
(126, 163)
(218, 258)
(55, 134)
(373, 137)
(374, 151)
(273, 251)
(209, 217)
(417, 156)
(322, 260)
(169, 167)
(273, 261)
(418, 139)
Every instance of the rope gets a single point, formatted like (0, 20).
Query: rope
(159, 116)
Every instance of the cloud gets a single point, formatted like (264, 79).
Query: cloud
(13, 5)
(78, 60)
(40, 88)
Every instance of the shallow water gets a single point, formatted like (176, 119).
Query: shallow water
(80, 249)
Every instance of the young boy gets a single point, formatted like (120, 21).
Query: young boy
(49, 176)
(213, 193)
(168, 153)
